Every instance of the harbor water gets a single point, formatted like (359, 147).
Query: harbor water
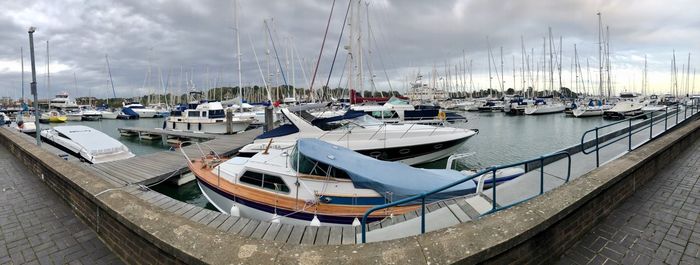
(502, 139)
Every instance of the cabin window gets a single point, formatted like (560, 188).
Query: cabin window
(268, 182)
(274, 183)
(219, 113)
(252, 178)
(193, 114)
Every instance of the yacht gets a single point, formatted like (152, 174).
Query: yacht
(318, 183)
(396, 110)
(74, 115)
(4, 119)
(408, 143)
(207, 117)
(86, 143)
(110, 115)
(62, 102)
(90, 114)
(543, 106)
(139, 109)
(629, 105)
(595, 107)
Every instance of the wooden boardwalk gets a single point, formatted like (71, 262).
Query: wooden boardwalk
(169, 133)
(151, 168)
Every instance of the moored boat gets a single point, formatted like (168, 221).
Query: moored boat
(319, 183)
(86, 143)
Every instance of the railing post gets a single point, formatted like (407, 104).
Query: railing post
(422, 215)
(364, 230)
(666, 119)
(651, 124)
(629, 136)
(597, 156)
(493, 189)
(541, 175)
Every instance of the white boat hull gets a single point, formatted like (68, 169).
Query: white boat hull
(544, 109)
(587, 112)
(215, 128)
(145, 113)
(109, 115)
(74, 117)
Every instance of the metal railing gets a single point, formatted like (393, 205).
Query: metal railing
(633, 129)
(479, 190)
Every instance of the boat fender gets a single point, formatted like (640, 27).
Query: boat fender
(235, 211)
(174, 125)
(442, 115)
(356, 222)
(200, 126)
(188, 126)
(164, 125)
(275, 219)
(315, 221)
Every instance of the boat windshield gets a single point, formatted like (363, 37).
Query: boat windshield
(309, 166)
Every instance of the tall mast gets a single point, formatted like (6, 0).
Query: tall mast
(687, 76)
(21, 59)
(607, 60)
(644, 79)
(238, 52)
(489, 59)
(551, 61)
(503, 79)
(600, 53)
(561, 51)
(48, 72)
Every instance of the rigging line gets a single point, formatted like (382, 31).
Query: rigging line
(274, 47)
(381, 61)
(337, 46)
(323, 43)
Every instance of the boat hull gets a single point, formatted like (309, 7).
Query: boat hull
(587, 112)
(216, 127)
(544, 110)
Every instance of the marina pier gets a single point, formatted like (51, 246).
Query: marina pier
(161, 228)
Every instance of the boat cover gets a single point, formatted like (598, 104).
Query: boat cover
(392, 180)
(94, 141)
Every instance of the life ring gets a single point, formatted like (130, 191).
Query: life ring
(442, 115)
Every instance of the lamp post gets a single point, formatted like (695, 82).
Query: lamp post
(33, 87)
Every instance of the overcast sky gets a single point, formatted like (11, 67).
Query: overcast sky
(196, 38)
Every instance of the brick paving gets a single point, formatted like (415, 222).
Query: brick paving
(37, 227)
(658, 225)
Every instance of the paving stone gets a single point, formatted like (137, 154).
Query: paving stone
(657, 225)
(37, 227)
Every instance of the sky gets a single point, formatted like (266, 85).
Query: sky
(178, 45)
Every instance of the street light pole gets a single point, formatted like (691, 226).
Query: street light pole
(33, 87)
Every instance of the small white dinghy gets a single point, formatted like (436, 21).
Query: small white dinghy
(87, 143)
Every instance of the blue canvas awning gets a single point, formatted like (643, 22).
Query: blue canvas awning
(398, 179)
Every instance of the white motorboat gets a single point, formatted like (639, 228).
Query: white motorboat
(207, 117)
(87, 143)
(75, 115)
(407, 143)
(91, 115)
(317, 183)
(629, 105)
(593, 108)
(396, 110)
(142, 111)
(541, 106)
(110, 115)
(4, 119)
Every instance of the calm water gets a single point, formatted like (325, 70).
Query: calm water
(501, 140)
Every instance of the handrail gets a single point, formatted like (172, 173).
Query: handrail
(631, 131)
(494, 208)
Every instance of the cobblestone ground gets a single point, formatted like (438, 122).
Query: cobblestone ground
(657, 225)
(37, 227)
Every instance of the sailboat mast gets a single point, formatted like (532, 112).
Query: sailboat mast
(48, 72)
(238, 52)
(600, 53)
(21, 59)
